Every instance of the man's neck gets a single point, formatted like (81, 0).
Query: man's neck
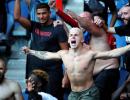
(49, 22)
(76, 51)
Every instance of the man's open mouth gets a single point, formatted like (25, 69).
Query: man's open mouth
(73, 42)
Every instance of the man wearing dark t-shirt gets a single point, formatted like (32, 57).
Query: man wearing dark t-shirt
(3, 16)
(124, 29)
(48, 38)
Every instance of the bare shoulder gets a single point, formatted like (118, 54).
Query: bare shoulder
(89, 51)
(86, 46)
(63, 52)
(13, 85)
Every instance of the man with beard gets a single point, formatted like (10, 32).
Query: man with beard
(10, 90)
(45, 36)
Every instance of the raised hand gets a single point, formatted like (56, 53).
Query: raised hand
(98, 21)
(52, 4)
(25, 49)
(57, 22)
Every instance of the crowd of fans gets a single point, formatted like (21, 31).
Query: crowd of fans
(86, 61)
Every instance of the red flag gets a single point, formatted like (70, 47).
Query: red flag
(59, 4)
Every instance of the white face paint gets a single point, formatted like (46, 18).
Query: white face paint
(75, 37)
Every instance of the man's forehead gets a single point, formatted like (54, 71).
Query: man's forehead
(75, 31)
(126, 8)
(42, 10)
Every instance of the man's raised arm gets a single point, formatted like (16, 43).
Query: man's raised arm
(112, 53)
(45, 55)
(17, 16)
(87, 24)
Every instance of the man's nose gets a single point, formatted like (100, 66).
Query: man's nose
(73, 37)
(41, 16)
(122, 16)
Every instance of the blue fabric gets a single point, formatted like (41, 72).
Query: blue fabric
(120, 3)
(123, 76)
(24, 13)
(10, 23)
(86, 37)
(25, 94)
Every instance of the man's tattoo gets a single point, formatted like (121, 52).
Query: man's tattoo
(40, 54)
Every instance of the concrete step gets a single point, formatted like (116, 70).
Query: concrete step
(17, 64)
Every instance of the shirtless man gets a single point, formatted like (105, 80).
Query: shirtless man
(10, 90)
(104, 70)
(79, 62)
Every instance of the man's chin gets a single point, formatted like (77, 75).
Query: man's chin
(125, 21)
(73, 47)
(43, 22)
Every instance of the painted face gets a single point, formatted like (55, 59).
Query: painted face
(75, 37)
(32, 82)
(125, 14)
(43, 15)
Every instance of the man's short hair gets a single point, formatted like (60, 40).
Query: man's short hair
(43, 5)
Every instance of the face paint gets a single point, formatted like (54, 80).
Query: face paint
(32, 83)
(75, 37)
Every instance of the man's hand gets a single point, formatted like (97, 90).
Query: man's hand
(65, 82)
(25, 49)
(52, 4)
(57, 22)
(98, 21)
(123, 96)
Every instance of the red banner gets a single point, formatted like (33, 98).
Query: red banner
(59, 4)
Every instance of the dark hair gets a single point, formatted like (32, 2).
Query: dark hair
(41, 75)
(43, 5)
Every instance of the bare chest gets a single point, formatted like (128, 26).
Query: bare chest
(6, 93)
(77, 64)
(99, 43)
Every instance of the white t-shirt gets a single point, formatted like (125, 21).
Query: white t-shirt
(46, 96)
